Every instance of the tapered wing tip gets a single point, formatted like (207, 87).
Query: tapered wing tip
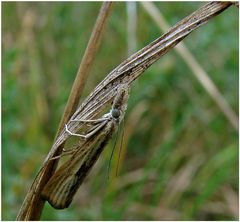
(55, 204)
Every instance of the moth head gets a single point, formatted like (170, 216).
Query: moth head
(115, 113)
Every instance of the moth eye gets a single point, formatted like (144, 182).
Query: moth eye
(115, 113)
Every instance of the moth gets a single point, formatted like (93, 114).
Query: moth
(62, 186)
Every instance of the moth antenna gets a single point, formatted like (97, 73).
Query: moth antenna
(120, 151)
(111, 156)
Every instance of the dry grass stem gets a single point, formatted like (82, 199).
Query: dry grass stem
(131, 27)
(105, 91)
(193, 64)
(32, 206)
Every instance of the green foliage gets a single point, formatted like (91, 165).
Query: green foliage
(180, 154)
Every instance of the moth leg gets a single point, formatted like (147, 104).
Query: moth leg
(92, 131)
(74, 134)
(104, 118)
(64, 153)
(95, 129)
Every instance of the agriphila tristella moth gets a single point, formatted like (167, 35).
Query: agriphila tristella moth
(62, 186)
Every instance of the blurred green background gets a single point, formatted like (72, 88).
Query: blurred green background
(180, 153)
